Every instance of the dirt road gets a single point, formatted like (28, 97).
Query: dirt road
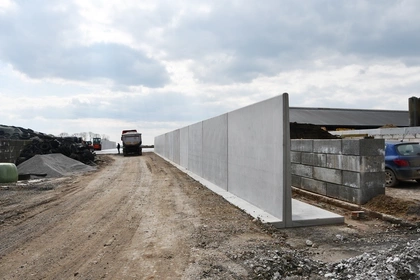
(141, 218)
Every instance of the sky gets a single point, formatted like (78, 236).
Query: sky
(103, 66)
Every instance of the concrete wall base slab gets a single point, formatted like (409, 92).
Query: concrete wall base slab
(303, 214)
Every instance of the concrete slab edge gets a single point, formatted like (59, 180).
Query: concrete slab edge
(256, 212)
(355, 207)
(250, 209)
(317, 222)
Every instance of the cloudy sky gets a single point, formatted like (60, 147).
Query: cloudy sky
(103, 66)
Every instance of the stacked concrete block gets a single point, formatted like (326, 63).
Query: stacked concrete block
(346, 169)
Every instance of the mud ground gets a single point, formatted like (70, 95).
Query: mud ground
(141, 218)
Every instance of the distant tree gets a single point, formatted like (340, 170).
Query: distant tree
(63, 134)
(105, 137)
(83, 135)
(91, 135)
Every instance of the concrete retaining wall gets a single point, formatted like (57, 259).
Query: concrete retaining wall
(10, 149)
(246, 152)
(106, 144)
(349, 169)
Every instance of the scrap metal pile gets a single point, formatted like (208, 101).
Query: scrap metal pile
(40, 143)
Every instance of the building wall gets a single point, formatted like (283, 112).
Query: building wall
(245, 152)
(351, 170)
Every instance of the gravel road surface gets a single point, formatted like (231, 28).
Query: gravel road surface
(141, 218)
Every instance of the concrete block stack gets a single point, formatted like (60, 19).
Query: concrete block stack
(351, 170)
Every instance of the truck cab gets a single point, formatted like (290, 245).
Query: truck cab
(97, 143)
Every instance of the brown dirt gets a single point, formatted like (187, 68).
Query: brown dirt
(142, 218)
(400, 208)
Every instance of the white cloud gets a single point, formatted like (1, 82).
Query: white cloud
(6, 6)
(73, 65)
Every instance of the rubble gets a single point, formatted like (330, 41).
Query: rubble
(397, 262)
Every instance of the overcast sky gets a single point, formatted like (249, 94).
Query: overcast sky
(103, 66)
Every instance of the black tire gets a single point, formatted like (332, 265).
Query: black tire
(418, 181)
(390, 178)
(45, 147)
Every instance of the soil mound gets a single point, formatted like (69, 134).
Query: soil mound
(54, 165)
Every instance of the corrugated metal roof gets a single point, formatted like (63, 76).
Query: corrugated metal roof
(348, 117)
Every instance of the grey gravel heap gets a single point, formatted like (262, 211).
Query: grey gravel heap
(398, 262)
(54, 165)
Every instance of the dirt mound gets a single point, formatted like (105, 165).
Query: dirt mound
(309, 131)
(394, 206)
(54, 165)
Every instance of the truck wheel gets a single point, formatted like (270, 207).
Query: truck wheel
(140, 152)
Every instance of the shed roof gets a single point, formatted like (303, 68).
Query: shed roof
(348, 117)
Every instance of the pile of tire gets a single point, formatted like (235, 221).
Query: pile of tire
(40, 144)
(72, 147)
(19, 133)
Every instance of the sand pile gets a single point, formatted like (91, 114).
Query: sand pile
(54, 165)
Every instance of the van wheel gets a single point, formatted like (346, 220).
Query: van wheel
(390, 178)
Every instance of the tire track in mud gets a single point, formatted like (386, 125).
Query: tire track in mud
(63, 218)
(160, 248)
(129, 219)
(136, 218)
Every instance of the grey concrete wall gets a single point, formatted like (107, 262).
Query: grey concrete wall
(169, 139)
(195, 148)
(159, 144)
(106, 144)
(10, 149)
(246, 152)
(349, 169)
(255, 142)
(176, 146)
(183, 146)
(215, 150)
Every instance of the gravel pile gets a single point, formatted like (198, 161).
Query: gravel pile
(398, 262)
(54, 165)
